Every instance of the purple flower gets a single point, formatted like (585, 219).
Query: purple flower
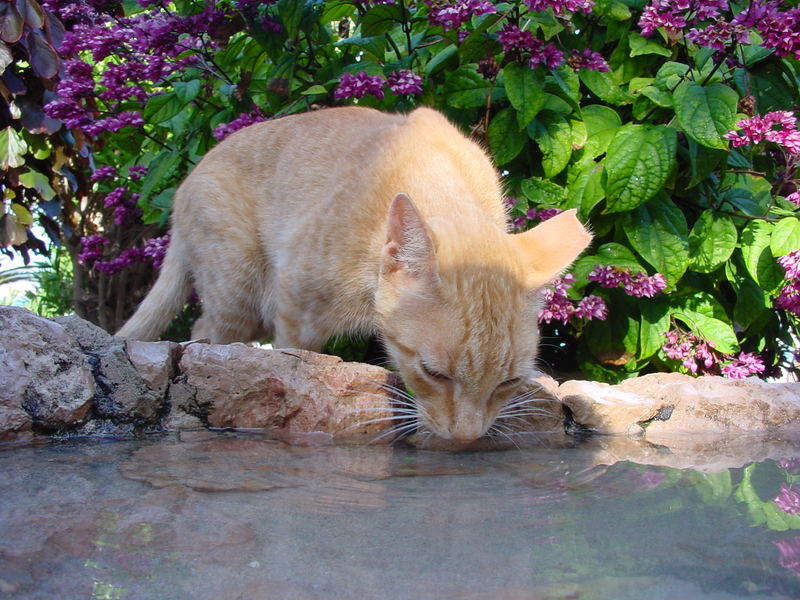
(794, 197)
(791, 264)
(549, 56)
(359, 85)
(405, 82)
(557, 305)
(103, 173)
(451, 15)
(719, 35)
(778, 29)
(639, 284)
(777, 127)
(126, 259)
(744, 365)
(696, 355)
(588, 59)
(243, 120)
(561, 7)
(788, 499)
(514, 39)
(136, 172)
(792, 465)
(789, 297)
(156, 249)
(592, 307)
(674, 15)
(92, 249)
(789, 549)
(125, 208)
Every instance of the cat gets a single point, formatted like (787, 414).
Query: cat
(350, 220)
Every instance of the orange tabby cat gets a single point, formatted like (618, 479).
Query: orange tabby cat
(350, 220)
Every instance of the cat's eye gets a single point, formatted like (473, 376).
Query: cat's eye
(432, 373)
(510, 382)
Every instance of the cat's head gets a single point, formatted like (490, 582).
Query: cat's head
(458, 311)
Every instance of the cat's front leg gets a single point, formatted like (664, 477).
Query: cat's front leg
(297, 329)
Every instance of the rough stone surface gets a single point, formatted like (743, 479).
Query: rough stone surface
(661, 405)
(244, 387)
(156, 362)
(45, 380)
(123, 396)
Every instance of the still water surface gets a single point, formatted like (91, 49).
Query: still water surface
(223, 516)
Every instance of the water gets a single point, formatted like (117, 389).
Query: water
(223, 516)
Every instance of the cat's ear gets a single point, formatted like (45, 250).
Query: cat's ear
(550, 247)
(408, 249)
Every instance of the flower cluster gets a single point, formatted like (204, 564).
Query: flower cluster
(719, 35)
(405, 82)
(792, 465)
(588, 59)
(156, 249)
(789, 549)
(788, 499)
(778, 127)
(639, 285)
(699, 357)
(126, 258)
(92, 249)
(136, 172)
(533, 214)
(123, 204)
(452, 15)
(675, 15)
(561, 7)
(522, 42)
(558, 306)
(152, 46)
(778, 29)
(243, 120)
(103, 173)
(359, 85)
(789, 297)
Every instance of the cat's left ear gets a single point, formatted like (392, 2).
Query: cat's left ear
(409, 249)
(551, 247)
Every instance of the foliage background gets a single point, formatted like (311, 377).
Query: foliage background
(619, 108)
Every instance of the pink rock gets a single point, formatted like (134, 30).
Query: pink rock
(44, 377)
(298, 391)
(156, 362)
(660, 405)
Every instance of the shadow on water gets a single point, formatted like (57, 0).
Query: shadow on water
(218, 516)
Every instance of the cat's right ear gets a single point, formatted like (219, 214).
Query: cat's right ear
(408, 251)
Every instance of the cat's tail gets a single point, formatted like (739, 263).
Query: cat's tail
(165, 299)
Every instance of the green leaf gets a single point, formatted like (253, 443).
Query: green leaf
(162, 108)
(638, 163)
(640, 45)
(186, 91)
(505, 139)
(659, 233)
(655, 323)
(702, 162)
(750, 302)
(540, 191)
(755, 242)
(602, 124)
(605, 86)
(466, 88)
(159, 172)
(37, 181)
(379, 19)
(711, 329)
(552, 133)
(670, 74)
(785, 236)
(615, 341)
(711, 242)
(12, 149)
(314, 89)
(291, 14)
(525, 90)
(706, 113)
(586, 191)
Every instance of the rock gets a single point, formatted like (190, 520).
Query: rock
(156, 362)
(662, 405)
(45, 380)
(296, 390)
(123, 395)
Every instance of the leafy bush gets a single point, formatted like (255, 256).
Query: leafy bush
(668, 125)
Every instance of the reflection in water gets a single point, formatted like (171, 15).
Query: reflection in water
(242, 516)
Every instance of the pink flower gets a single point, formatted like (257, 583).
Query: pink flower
(778, 127)
(561, 7)
(639, 285)
(405, 82)
(559, 307)
(742, 366)
(359, 85)
(592, 307)
(789, 549)
(451, 15)
(788, 499)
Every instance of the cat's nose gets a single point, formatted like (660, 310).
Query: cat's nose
(466, 429)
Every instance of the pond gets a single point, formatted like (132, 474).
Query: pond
(227, 516)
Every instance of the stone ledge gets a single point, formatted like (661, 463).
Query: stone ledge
(66, 376)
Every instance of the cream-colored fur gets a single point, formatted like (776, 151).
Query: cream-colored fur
(351, 220)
